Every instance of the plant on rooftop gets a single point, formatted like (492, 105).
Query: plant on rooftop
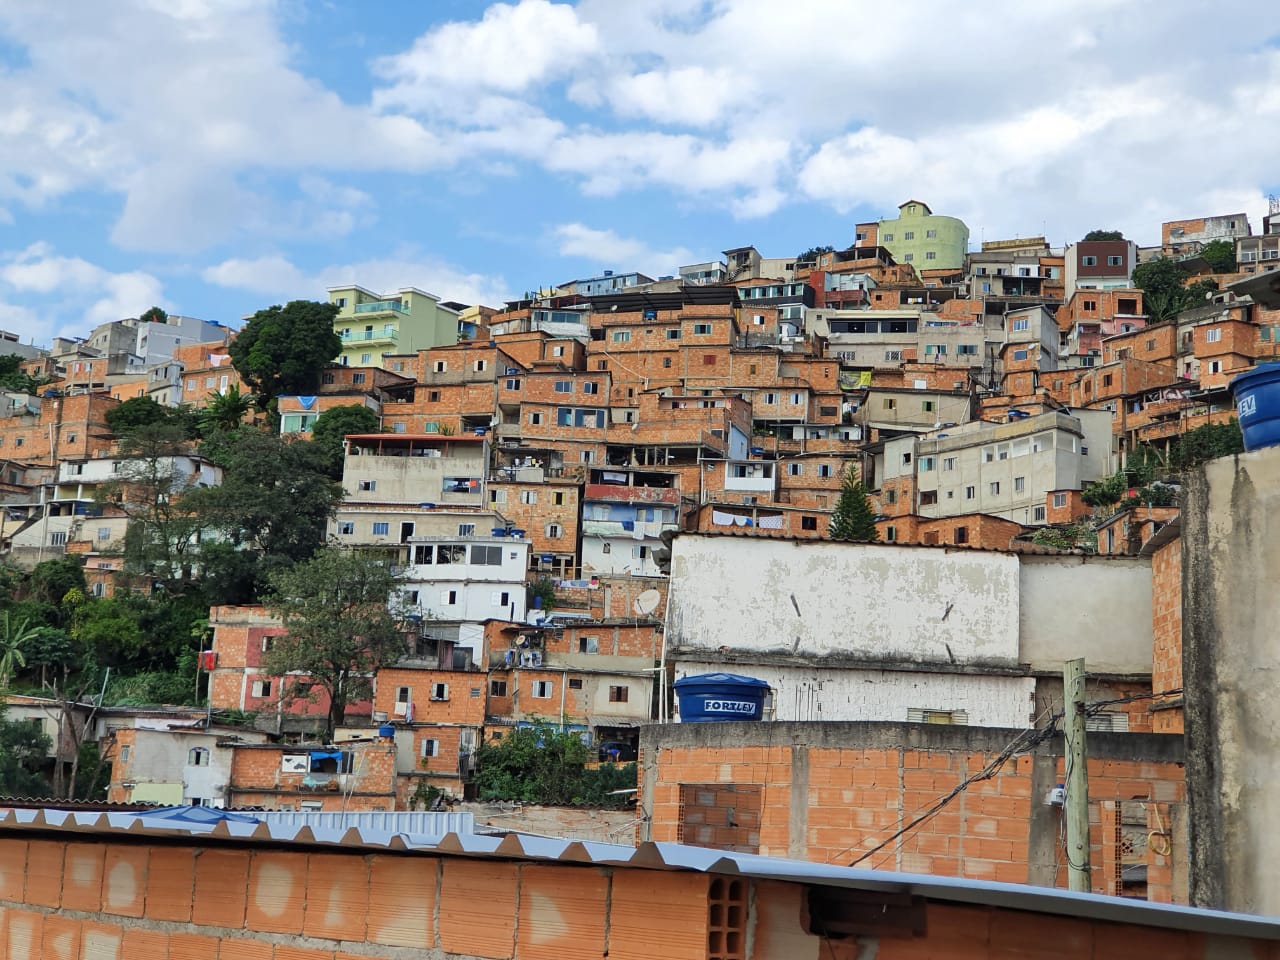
(1204, 443)
(1104, 235)
(1220, 255)
(540, 764)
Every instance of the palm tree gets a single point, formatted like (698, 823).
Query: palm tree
(225, 411)
(13, 640)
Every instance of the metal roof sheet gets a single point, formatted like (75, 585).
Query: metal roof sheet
(659, 856)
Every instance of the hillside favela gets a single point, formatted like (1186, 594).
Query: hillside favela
(464, 495)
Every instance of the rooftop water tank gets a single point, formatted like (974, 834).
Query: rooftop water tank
(1257, 395)
(710, 697)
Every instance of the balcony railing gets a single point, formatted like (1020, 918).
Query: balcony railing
(369, 335)
(380, 306)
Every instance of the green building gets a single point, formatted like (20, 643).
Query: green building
(925, 241)
(372, 324)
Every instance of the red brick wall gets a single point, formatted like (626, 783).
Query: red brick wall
(1166, 612)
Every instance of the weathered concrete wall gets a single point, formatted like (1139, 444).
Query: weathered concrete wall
(1092, 607)
(574, 823)
(844, 602)
(810, 693)
(1231, 608)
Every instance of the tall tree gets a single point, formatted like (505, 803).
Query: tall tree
(154, 477)
(808, 256)
(153, 315)
(341, 612)
(134, 413)
(269, 512)
(1104, 235)
(282, 350)
(853, 518)
(22, 754)
(334, 425)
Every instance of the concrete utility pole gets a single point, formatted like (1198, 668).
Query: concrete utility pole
(1076, 808)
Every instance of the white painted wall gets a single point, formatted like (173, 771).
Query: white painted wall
(1098, 608)
(874, 602)
(805, 693)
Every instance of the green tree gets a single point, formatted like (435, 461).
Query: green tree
(854, 519)
(23, 753)
(1104, 235)
(269, 512)
(12, 377)
(1220, 255)
(225, 411)
(813, 253)
(341, 611)
(153, 315)
(134, 413)
(150, 487)
(52, 580)
(540, 764)
(1159, 276)
(544, 588)
(1106, 492)
(15, 641)
(1204, 443)
(282, 350)
(334, 425)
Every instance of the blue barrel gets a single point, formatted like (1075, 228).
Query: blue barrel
(1257, 395)
(387, 731)
(710, 697)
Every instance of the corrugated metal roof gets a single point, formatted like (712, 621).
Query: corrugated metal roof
(424, 823)
(660, 856)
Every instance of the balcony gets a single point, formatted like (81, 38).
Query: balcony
(380, 306)
(370, 336)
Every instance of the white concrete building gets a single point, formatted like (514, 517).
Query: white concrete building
(1003, 469)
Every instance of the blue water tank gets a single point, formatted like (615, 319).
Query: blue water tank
(387, 731)
(1257, 395)
(711, 697)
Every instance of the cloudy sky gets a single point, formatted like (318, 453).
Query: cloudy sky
(216, 156)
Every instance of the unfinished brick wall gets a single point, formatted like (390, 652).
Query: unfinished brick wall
(1166, 634)
(834, 800)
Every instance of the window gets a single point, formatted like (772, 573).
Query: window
(1090, 304)
(367, 485)
(994, 487)
(554, 531)
(529, 496)
(639, 553)
(564, 386)
(1019, 484)
(468, 529)
(499, 598)
(930, 234)
(970, 492)
(480, 365)
(439, 691)
(927, 464)
(1037, 515)
(448, 597)
(535, 419)
(795, 469)
(1089, 261)
(891, 496)
(673, 333)
(618, 694)
(948, 464)
(890, 403)
(486, 556)
(1059, 501)
(930, 255)
(906, 459)
(1022, 323)
(1019, 355)
(701, 329)
(1215, 366)
(808, 523)
(888, 238)
(962, 534)
(104, 533)
(381, 529)
(909, 257)
(928, 498)
(918, 715)
(575, 683)
(890, 534)
(1151, 344)
(1114, 261)
(558, 351)
(1106, 379)
(440, 367)
(588, 644)
(824, 469)
(403, 695)
(512, 383)
(590, 386)
(357, 378)
(542, 689)
(261, 688)
(926, 406)
(708, 359)
(198, 757)
(621, 336)
(909, 235)
(346, 528)
(1213, 335)
(430, 748)
(366, 358)
(497, 688)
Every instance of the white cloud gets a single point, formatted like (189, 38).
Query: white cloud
(73, 293)
(605, 248)
(276, 276)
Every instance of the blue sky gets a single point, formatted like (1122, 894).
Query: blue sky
(216, 156)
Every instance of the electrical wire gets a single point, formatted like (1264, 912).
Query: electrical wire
(1095, 706)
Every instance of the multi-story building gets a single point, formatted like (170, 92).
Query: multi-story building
(1099, 265)
(1260, 254)
(373, 324)
(623, 519)
(924, 240)
(1010, 470)
(607, 284)
(1180, 238)
(467, 579)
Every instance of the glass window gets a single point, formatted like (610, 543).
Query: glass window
(380, 529)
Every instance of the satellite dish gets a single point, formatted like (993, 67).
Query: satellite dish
(647, 602)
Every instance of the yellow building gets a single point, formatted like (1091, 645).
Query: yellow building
(371, 324)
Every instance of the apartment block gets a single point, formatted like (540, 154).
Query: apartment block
(372, 324)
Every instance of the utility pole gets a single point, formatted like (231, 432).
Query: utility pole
(1076, 808)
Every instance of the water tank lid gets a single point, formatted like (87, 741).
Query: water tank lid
(726, 679)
